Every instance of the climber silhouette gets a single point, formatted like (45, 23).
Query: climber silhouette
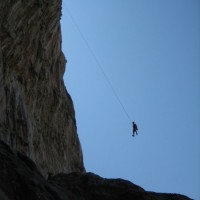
(135, 128)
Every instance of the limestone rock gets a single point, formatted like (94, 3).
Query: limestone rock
(38, 134)
(36, 112)
(20, 179)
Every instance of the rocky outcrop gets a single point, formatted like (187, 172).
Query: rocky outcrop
(38, 134)
(20, 179)
(36, 112)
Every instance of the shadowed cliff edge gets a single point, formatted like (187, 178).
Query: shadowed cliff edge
(20, 179)
(38, 134)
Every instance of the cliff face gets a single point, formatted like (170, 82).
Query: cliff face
(36, 112)
(37, 117)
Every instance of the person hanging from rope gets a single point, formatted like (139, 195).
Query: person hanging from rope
(135, 129)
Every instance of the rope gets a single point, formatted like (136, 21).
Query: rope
(99, 65)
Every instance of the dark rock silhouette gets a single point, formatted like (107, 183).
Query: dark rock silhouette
(38, 135)
(20, 179)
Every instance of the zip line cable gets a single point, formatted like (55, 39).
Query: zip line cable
(99, 65)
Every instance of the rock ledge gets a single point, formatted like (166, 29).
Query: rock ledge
(21, 180)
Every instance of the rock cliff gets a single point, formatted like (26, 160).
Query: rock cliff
(36, 112)
(38, 134)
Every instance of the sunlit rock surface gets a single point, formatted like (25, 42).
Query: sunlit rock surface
(36, 112)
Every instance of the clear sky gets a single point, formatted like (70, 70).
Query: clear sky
(150, 53)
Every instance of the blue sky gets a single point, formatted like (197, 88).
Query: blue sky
(150, 52)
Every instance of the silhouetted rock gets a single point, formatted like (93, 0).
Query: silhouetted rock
(21, 180)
